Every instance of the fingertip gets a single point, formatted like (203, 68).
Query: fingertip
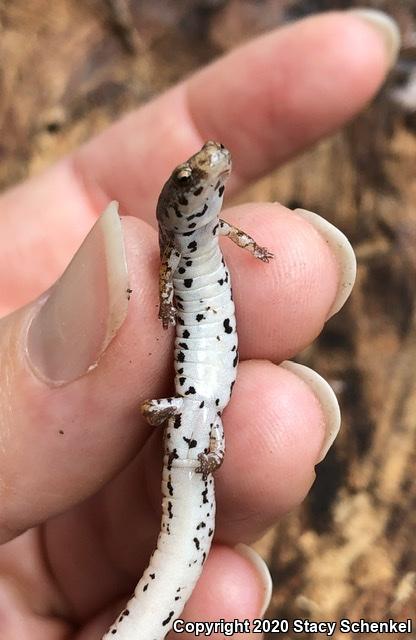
(261, 572)
(232, 587)
(327, 400)
(274, 430)
(385, 26)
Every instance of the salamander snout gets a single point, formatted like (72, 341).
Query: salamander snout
(216, 156)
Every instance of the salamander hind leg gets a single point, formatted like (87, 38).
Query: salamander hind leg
(157, 412)
(211, 461)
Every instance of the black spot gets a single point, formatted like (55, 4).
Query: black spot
(201, 213)
(168, 619)
(114, 631)
(126, 612)
(190, 391)
(231, 386)
(198, 191)
(181, 357)
(227, 327)
(188, 263)
(180, 321)
(192, 246)
(179, 305)
(219, 339)
(204, 496)
(188, 282)
(192, 225)
(177, 598)
(196, 542)
(182, 200)
(234, 348)
(221, 191)
(172, 456)
(204, 555)
(180, 370)
(201, 525)
(235, 361)
(145, 587)
(220, 281)
(210, 532)
(181, 381)
(183, 345)
(170, 488)
(192, 444)
(217, 185)
(170, 514)
(199, 317)
(152, 575)
(189, 233)
(186, 334)
(217, 401)
(214, 231)
(181, 270)
(202, 404)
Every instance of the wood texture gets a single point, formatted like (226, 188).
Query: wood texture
(349, 550)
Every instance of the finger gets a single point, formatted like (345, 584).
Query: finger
(266, 100)
(279, 424)
(263, 101)
(235, 585)
(19, 620)
(86, 425)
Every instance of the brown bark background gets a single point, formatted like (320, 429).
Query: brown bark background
(69, 68)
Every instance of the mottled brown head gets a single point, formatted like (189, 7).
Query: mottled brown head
(193, 195)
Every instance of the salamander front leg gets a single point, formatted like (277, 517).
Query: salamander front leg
(157, 412)
(211, 461)
(244, 241)
(169, 262)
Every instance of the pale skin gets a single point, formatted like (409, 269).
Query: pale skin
(90, 583)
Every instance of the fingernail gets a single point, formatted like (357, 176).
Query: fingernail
(344, 255)
(84, 309)
(385, 26)
(263, 573)
(326, 398)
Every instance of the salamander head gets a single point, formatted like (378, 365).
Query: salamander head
(193, 195)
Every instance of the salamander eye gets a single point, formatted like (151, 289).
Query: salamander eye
(222, 146)
(183, 174)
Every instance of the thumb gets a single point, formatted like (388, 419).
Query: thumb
(63, 434)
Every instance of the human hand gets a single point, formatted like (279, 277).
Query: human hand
(79, 471)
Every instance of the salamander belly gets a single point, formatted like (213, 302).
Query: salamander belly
(206, 353)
